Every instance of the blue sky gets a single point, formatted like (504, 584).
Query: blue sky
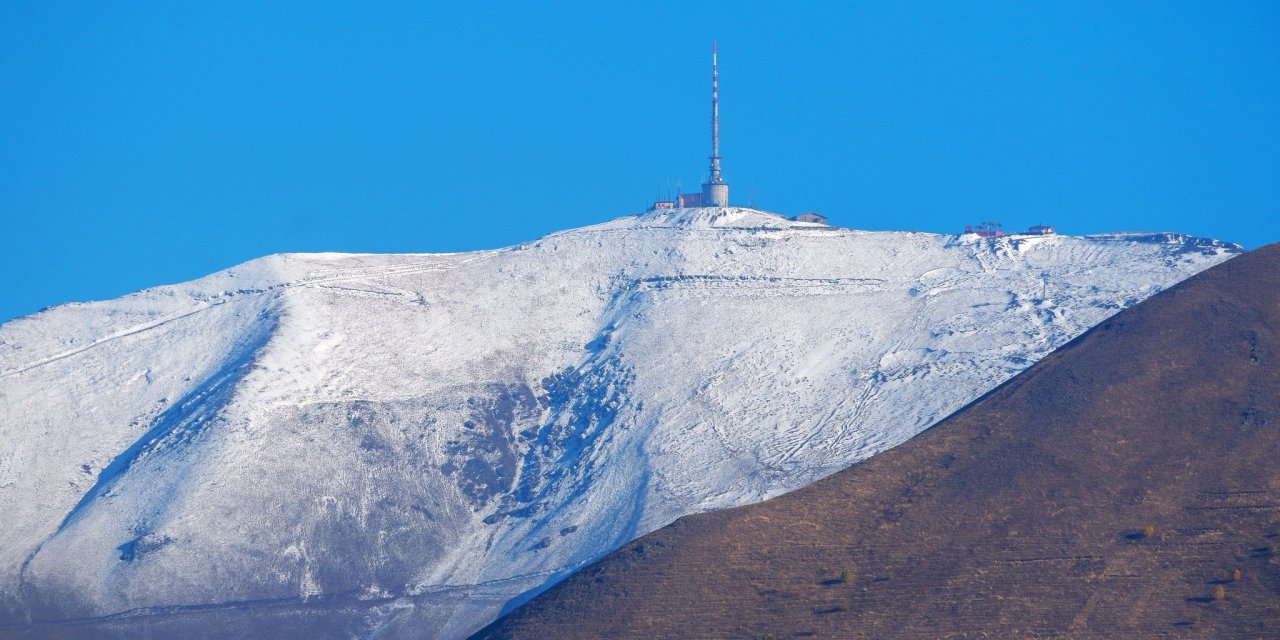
(146, 143)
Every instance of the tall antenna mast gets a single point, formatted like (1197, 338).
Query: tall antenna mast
(715, 192)
(715, 118)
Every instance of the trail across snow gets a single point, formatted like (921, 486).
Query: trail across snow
(335, 445)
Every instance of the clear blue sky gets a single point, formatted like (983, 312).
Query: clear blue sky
(145, 143)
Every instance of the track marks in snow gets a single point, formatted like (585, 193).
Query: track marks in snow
(326, 281)
(114, 336)
(754, 283)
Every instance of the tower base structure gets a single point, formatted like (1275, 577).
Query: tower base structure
(715, 194)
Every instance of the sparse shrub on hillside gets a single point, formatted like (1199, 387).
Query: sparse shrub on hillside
(1145, 533)
(1219, 592)
(1190, 620)
(846, 576)
(1235, 575)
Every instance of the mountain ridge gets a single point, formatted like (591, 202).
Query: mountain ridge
(382, 442)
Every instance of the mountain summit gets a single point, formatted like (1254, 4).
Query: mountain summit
(353, 445)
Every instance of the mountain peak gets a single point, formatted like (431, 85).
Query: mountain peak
(717, 218)
(415, 441)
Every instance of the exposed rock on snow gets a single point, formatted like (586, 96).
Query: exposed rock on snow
(355, 445)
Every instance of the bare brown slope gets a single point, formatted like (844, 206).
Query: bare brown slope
(1112, 490)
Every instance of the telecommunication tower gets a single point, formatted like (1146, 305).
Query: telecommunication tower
(715, 191)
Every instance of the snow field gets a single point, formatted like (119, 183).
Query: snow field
(411, 443)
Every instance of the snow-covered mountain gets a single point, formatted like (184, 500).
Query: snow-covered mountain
(342, 445)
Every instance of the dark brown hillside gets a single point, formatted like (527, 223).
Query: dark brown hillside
(1127, 486)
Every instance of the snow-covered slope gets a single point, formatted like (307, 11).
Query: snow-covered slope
(400, 445)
